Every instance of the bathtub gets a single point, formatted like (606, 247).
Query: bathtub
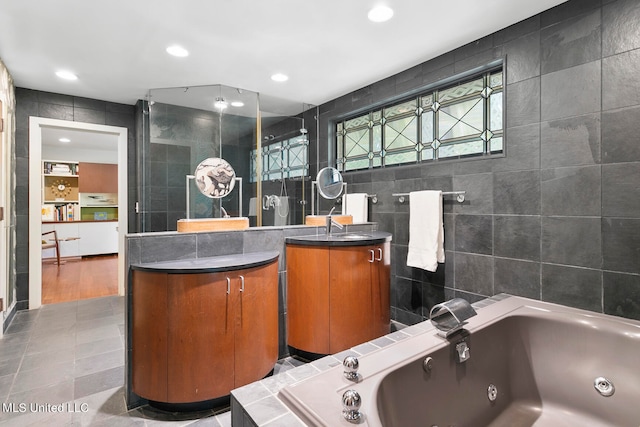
(531, 364)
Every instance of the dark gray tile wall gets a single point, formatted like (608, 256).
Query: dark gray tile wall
(557, 218)
(62, 107)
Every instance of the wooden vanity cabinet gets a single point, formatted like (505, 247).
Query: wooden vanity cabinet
(198, 336)
(337, 296)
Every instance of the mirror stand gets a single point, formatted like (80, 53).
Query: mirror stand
(315, 196)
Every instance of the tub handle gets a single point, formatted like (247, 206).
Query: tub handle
(351, 403)
(351, 365)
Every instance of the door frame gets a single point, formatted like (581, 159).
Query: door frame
(35, 198)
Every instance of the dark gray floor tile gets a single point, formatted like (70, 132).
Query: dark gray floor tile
(51, 342)
(123, 420)
(13, 350)
(5, 386)
(99, 363)
(53, 394)
(98, 347)
(42, 377)
(97, 382)
(17, 328)
(108, 330)
(101, 406)
(10, 366)
(47, 359)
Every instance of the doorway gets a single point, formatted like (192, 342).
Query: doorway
(37, 127)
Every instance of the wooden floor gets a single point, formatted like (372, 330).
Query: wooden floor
(80, 278)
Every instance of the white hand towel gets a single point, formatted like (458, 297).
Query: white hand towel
(356, 205)
(426, 230)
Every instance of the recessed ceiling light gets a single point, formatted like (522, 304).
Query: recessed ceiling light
(67, 75)
(279, 77)
(237, 104)
(64, 140)
(380, 14)
(178, 51)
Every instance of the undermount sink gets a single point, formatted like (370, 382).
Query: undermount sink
(353, 236)
(213, 224)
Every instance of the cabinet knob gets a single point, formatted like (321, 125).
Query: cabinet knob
(379, 254)
(372, 255)
(241, 283)
(228, 285)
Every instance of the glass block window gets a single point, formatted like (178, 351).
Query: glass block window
(283, 159)
(456, 121)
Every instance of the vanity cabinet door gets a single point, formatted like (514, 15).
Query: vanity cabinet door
(381, 290)
(350, 296)
(256, 322)
(149, 335)
(196, 337)
(308, 298)
(200, 344)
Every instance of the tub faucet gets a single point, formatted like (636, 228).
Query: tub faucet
(331, 222)
(223, 213)
(450, 316)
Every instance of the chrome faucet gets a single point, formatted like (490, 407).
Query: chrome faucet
(331, 222)
(223, 213)
(450, 316)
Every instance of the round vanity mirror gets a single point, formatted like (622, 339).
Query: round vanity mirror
(215, 177)
(329, 182)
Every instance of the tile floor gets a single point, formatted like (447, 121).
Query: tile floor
(70, 356)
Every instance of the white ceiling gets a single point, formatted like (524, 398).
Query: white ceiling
(328, 48)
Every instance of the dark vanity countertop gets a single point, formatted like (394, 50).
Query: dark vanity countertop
(341, 239)
(211, 264)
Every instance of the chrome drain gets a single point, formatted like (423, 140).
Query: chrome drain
(604, 386)
(492, 393)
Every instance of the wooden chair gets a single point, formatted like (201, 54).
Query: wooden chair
(48, 244)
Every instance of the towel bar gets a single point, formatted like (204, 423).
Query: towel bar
(459, 195)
